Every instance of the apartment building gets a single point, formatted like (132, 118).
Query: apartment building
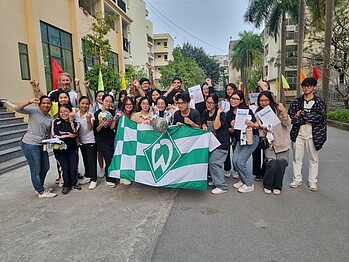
(34, 31)
(163, 48)
(141, 34)
(223, 61)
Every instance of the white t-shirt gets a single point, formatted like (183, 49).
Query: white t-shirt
(86, 136)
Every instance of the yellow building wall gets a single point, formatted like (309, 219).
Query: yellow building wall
(20, 22)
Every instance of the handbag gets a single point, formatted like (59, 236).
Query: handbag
(263, 143)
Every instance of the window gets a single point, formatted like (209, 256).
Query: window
(291, 35)
(291, 78)
(291, 56)
(165, 44)
(159, 56)
(165, 57)
(56, 44)
(114, 62)
(266, 70)
(89, 6)
(89, 61)
(158, 43)
(24, 61)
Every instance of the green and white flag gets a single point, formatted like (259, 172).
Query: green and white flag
(176, 159)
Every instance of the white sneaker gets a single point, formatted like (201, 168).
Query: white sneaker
(125, 182)
(238, 184)
(210, 183)
(47, 194)
(295, 183)
(101, 172)
(277, 191)
(227, 174)
(218, 191)
(84, 181)
(246, 189)
(267, 191)
(235, 175)
(50, 189)
(110, 184)
(312, 186)
(92, 185)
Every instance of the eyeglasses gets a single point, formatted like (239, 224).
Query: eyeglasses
(128, 104)
(210, 103)
(307, 87)
(264, 100)
(235, 99)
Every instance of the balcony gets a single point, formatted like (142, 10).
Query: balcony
(126, 44)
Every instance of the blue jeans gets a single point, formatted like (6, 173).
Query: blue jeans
(215, 163)
(240, 158)
(38, 164)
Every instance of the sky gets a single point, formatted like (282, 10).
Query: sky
(203, 23)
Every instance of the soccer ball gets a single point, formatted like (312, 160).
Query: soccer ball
(160, 125)
(105, 116)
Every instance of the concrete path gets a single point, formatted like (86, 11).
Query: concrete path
(140, 223)
(298, 225)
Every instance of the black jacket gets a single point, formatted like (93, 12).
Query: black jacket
(316, 116)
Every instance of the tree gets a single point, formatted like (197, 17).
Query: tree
(338, 56)
(246, 52)
(301, 26)
(98, 46)
(205, 62)
(273, 14)
(186, 68)
(327, 49)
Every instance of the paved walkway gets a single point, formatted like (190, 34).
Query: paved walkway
(140, 223)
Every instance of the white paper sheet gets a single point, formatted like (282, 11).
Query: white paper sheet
(240, 119)
(195, 91)
(253, 98)
(225, 105)
(268, 117)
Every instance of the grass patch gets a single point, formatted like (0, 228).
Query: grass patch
(341, 115)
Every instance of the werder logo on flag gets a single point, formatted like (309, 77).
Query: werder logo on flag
(176, 159)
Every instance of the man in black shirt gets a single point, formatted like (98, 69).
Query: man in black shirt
(186, 115)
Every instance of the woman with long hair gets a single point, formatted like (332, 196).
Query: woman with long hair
(66, 129)
(214, 119)
(242, 151)
(161, 105)
(39, 125)
(103, 128)
(230, 88)
(201, 107)
(276, 155)
(87, 142)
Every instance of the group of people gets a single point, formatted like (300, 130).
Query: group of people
(90, 124)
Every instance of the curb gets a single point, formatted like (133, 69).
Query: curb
(337, 124)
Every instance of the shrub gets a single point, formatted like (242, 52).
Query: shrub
(341, 115)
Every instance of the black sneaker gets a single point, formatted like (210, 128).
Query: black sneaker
(77, 187)
(65, 190)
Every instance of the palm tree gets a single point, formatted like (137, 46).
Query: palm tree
(273, 14)
(301, 26)
(327, 49)
(244, 51)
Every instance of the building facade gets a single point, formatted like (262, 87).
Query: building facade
(54, 29)
(163, 48)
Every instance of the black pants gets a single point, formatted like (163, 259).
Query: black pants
(257, 167)
(274, 174)
(89, 156)
(108, 154)
(227, 163)
(67, 161)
